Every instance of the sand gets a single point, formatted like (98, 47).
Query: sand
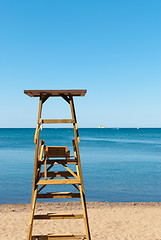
(121, 221)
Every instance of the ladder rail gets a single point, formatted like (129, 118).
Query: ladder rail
(79, 168)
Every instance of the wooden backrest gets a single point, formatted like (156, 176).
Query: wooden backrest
(52, 151)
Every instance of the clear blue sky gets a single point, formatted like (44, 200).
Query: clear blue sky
(111, 48)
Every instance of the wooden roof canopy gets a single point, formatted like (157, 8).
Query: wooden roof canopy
(55, 93)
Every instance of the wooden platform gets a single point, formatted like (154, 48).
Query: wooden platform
(56, 93)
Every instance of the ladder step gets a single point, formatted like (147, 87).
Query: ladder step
(58, 181)
(61, 161)
(59, 216)
(58, 237)
(57, 121)
(58, 174)
(59, 195)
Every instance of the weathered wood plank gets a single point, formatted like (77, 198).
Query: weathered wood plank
(59, 195)
(59, 216)
(62, 161)
(58, 237)
(58, 181)
(57, 120)
(56, 93)
(58, 174)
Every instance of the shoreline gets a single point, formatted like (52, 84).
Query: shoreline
(113, 221)
(90, 203)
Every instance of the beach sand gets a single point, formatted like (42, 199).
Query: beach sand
(121, 221)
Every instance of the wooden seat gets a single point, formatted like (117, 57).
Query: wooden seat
(56, 152)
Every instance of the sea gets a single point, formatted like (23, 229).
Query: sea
(119, 165)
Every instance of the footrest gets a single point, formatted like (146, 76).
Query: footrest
(58, 216)
(58, 181)
(59, 195)
(58, 174)
(59, 237)
(63, 161)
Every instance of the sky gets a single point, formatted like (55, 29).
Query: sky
(110, 48)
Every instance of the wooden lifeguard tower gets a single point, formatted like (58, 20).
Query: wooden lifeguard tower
(46, 157)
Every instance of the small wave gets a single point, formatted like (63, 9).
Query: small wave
(121, 140)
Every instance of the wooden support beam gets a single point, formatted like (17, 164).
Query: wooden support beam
(62, 161)
(33, 205)
(41, 188)
(36, 140)
(57, 120)
(58, 181)
(45, 169)
(52, 165)
(41, 149)
(73, 174)
(65, 98)
(45, 97)
(58, 174)
(81, 186)
(74, 185)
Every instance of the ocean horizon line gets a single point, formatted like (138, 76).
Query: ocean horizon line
(83, 127)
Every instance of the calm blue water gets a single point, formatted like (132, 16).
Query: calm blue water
(119, 165)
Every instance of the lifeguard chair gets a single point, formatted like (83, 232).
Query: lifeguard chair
(47, 157)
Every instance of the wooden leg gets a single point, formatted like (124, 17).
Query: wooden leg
(79, 169)
(36, 149)
(29, 236)
(83, 200)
